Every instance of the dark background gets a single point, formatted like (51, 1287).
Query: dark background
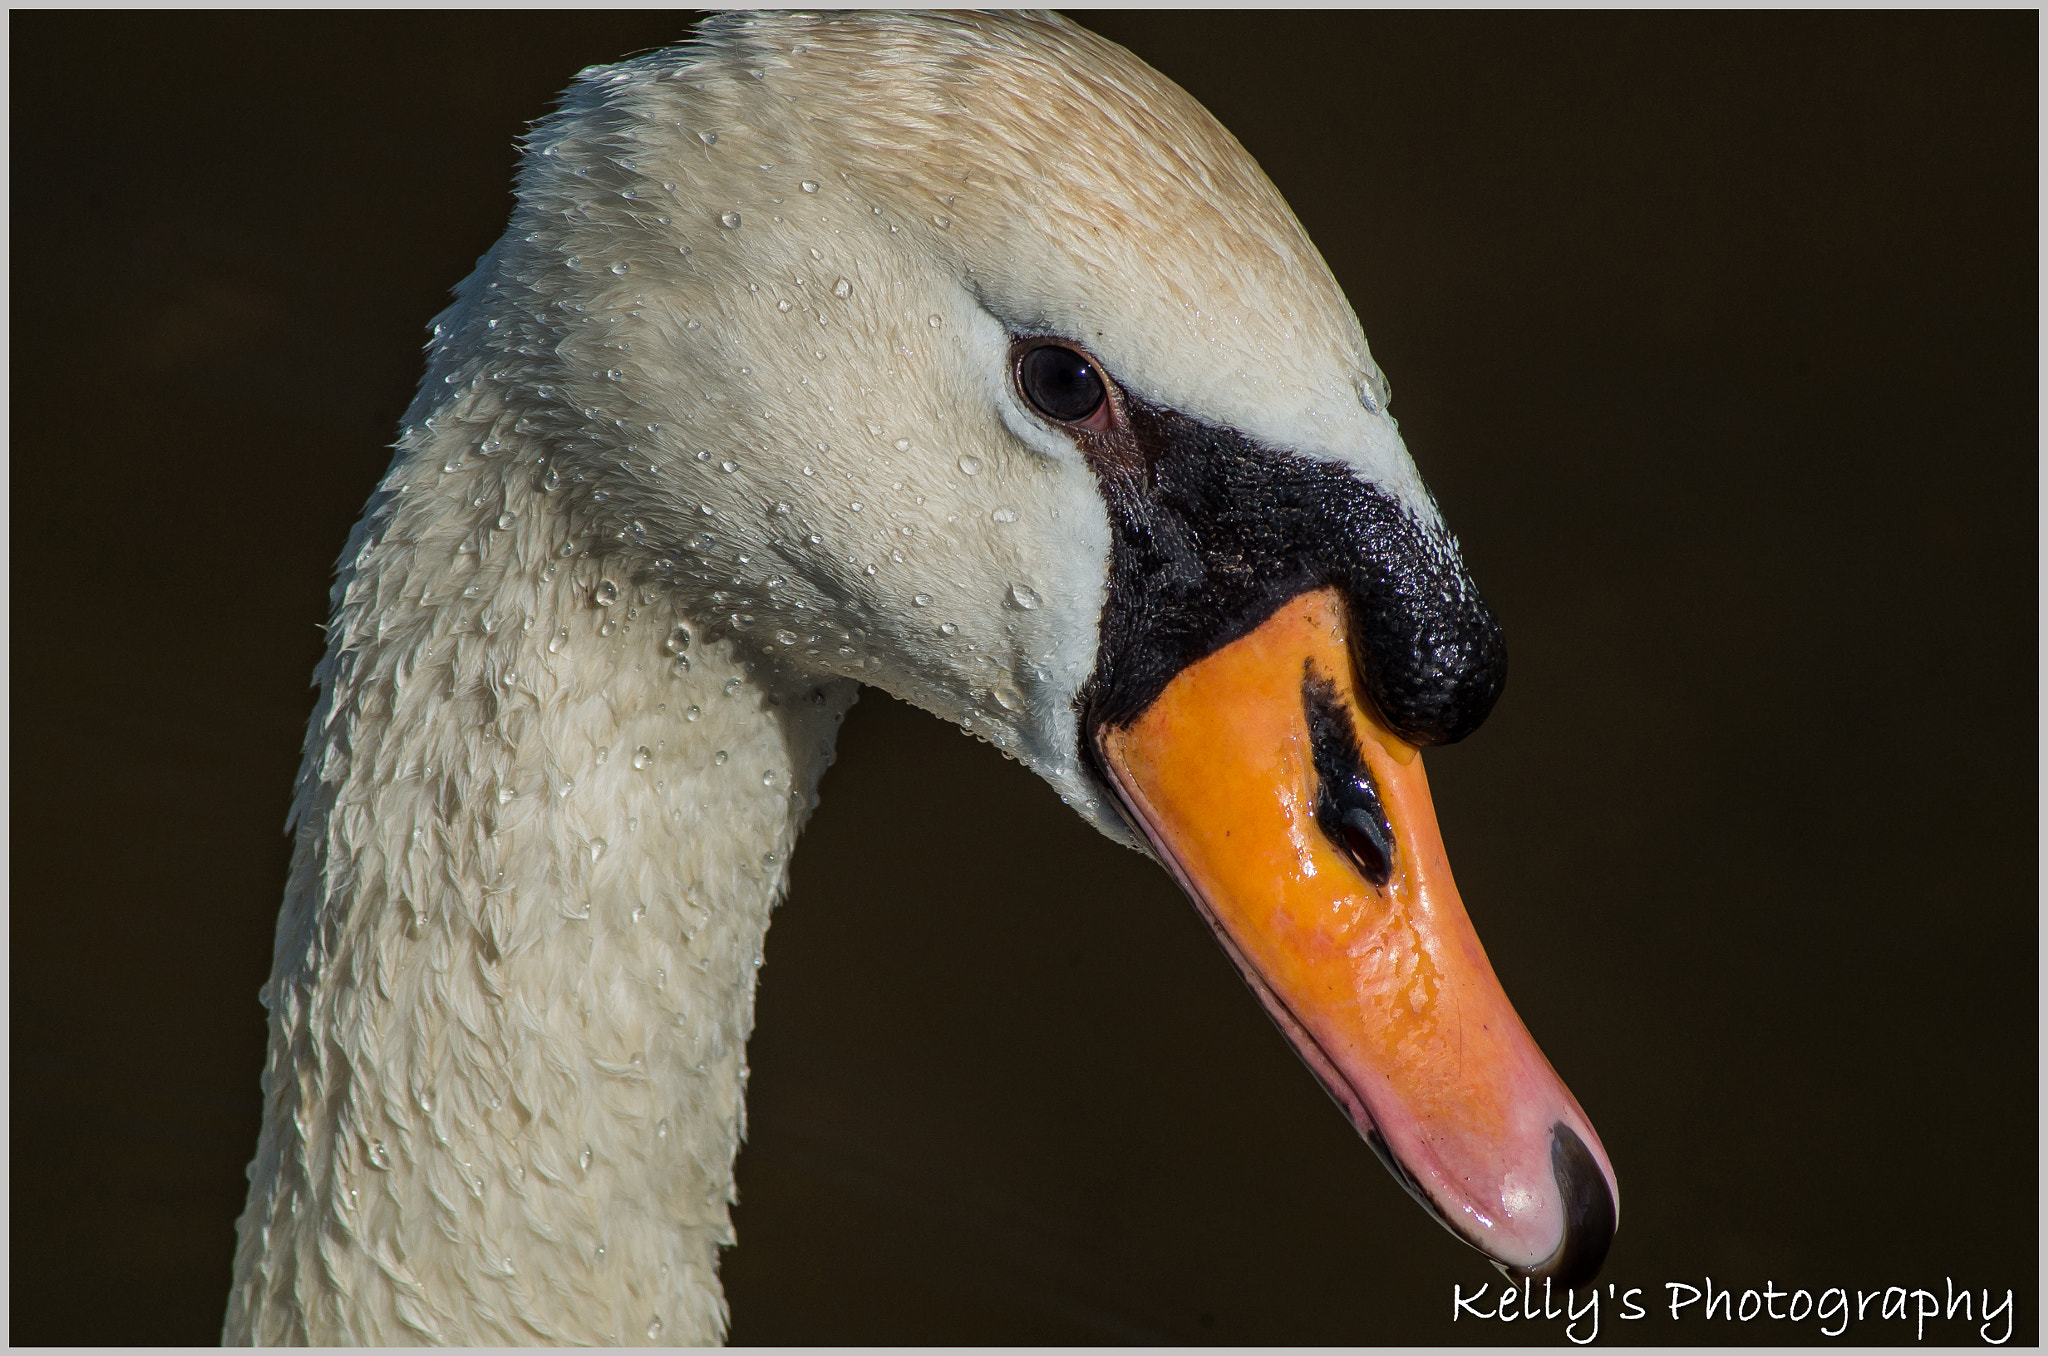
(1716, 337)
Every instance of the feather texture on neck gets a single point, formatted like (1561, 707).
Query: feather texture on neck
(514, 973)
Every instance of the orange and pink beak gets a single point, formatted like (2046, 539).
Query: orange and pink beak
(1303, 829)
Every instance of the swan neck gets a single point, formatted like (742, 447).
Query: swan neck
(540, 826)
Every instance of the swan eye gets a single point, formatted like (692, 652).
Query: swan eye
(1061, 384)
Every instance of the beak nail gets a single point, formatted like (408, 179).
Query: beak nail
(1588, 1213)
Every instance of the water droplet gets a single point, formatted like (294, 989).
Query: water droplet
(1004, 515)
(505, 520)
(719, 761)
(785, 637)
(855, 506)
(782, 306)
(614, 374)
(943, 223)
(639, 912)
(923, 600)
(573, 261)
(585, 1158)
(598, 847)
(678, 640)
(732, 687)
(728, 466)
(693, 713)
(948, 629)
(934, 321)
(552, 481)
(654, 1324)
(729, 220)
(603, 755)
(1023, 596)
(607, 593)
(742, 621)
(842, 289)
(642, 756)
(660, 980)
(566, 789)
(808, 187)
(708, 138)
(623, 269)
(768, 778)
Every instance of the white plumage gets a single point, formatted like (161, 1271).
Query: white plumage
(717, 431)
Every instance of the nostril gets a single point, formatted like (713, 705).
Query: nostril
(1369, 844)
(1348, 808)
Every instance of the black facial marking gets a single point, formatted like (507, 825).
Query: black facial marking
(1211, 532)
(1348, 809)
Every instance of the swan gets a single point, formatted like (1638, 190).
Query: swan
(966, 357)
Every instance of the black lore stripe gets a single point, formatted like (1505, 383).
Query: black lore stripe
(1211, 532)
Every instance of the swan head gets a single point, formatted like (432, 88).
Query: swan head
(970, 358)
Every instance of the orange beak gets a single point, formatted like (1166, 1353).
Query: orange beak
(1303, 830)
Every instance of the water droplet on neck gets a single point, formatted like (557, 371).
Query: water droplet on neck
(642, 756)
(729, 220)
(678, 640)
(1004, 515)
(654, 1324)
(708, 138)
(922, 600)
(808, 187)
(585, 1159)
(970, 465)
(719, 761)
(842, 289)
(607, 593)
(1023, 596)
(948, 629)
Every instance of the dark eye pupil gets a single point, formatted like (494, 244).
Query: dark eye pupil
(1061, 383)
